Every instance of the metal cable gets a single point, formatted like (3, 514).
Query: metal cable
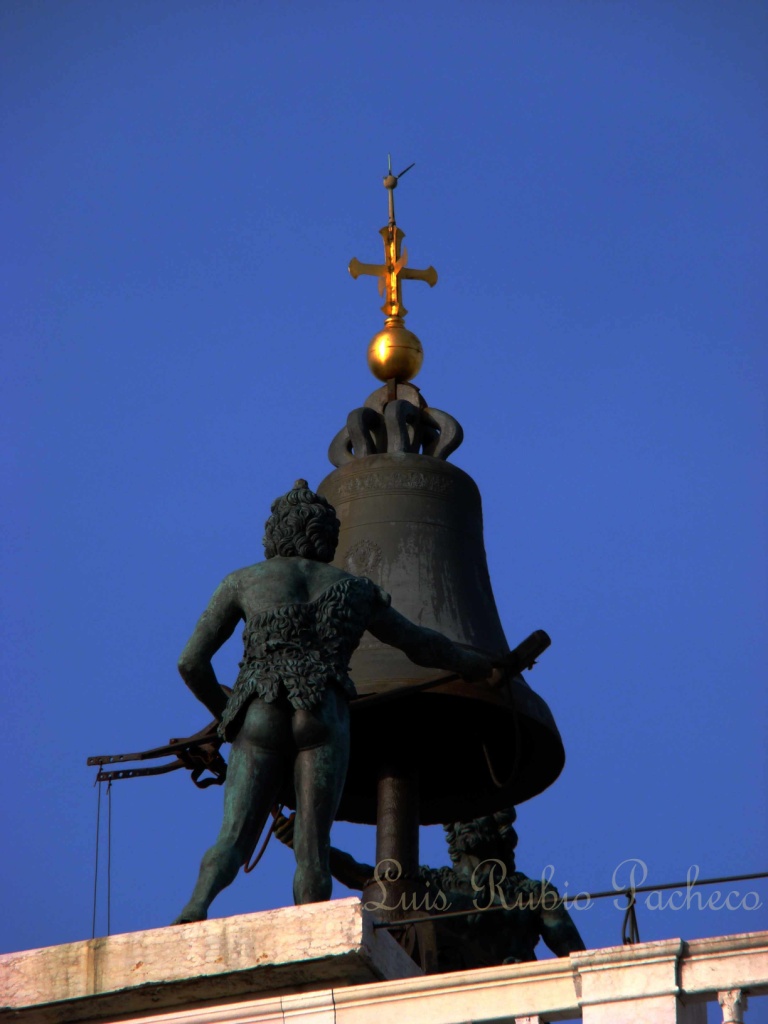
(518, 751)
(566, 900)
(109, 857)
(96, 865)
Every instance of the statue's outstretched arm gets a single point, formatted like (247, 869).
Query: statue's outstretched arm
(426, 646)
(348, 871)
(559, 932)
(215, 627)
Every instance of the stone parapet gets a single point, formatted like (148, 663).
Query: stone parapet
(320, 945)
(326, 964)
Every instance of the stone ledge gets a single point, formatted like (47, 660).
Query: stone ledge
(323, 964)
(319, 945)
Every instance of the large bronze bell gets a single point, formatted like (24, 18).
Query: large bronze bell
(412, 523)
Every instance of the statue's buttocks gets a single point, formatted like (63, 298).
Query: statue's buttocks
(298, 650)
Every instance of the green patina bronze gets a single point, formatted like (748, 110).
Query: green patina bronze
(483, 876)
(287, 716)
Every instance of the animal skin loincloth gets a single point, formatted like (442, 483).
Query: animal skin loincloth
(297, 651)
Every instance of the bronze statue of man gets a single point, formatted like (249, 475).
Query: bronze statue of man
(288, 711)
(483, 874)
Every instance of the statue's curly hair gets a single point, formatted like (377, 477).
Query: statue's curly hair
(302, 523)
(490, 828)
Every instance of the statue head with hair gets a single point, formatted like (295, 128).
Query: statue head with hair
(490, 836)
(302, 524)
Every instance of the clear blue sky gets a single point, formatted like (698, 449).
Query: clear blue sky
(185, 185)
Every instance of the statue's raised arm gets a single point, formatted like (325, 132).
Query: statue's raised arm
(426, 646)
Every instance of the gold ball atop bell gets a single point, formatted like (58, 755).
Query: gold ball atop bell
(395, 352)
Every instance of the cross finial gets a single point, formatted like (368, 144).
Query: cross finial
(394, 270)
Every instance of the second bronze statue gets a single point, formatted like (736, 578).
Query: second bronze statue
(288, 711)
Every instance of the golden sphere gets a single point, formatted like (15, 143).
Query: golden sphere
(395, 352)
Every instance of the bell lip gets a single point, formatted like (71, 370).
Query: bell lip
(458, 785)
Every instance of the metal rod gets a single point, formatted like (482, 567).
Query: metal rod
(397, 834)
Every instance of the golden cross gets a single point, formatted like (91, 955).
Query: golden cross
(394, 270)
